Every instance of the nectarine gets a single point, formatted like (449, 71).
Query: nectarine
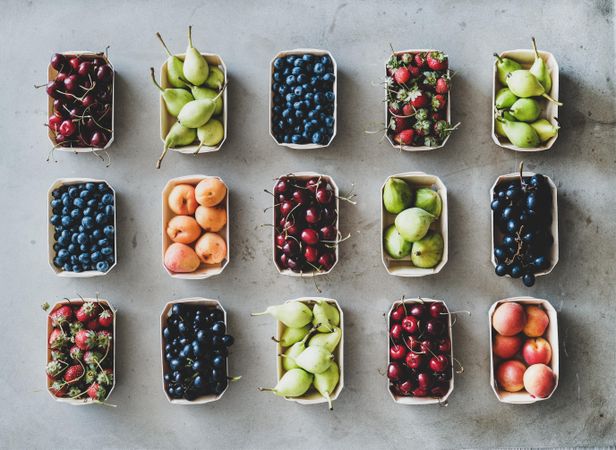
(539, 380)
(510, 375)
(181, 258)
(537, 351)
(211, 218)
(183, 229)
(210, 191)
(211, 248)
(182, 199)
(506, 346)
(509, 318)
(537, 321)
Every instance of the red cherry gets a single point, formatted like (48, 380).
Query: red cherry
(54, 122)
(439, 390)
(279, 239)
(293, 264)
(74, 62)
(57, 61)
(60, 138)
(420, 392)
(71, 82)
(98, 140)
(397, 352)
(61, 77)
(104, 72)
(418, 310)
(410, 324)
(286, 207)
(281, 186)
(88, 100)
(313, 184)
(398, 313)
(394, 371)
(396, 331)
(438, 363)
(284, 259)
(329, 215)
(327, 260)
(444, 345)
(313, 215)
(324, 196)
(435, 327)
(290, 247)
(52, 89)
(328, 233)
(310, 236)
(67, 128)
(437, 309)
(84, 68)
(406, 387)
(414, 360)
(300, 196)
(311, 254)
(426, 346)
(424, 379)
(413, 343)
(443, 377)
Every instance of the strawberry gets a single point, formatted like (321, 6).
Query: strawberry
(442, 129)
(92, 357)
(405, 137)
(58, 388)
(418, 98)
(398, 124)
(90, 376)
(58, 339)
(420, 59)
(93, 324)
(421, 114)
(431, 141)
(76, 353)
(430, 79)
(437, 115)
(408, 109)
(442, 85)
(57, 355)
(439, 101)
(406, 58)
(85, 339)
(422, 127)
(394, 107)
(74, 392)
(97, 392)
(437, 61)
(86, 312)
(414, 70)
(75, 327)
(105, 318)
(61, 315)
(105, 377)
(402, 75)
(73, 373)
(53, 369)
(103, 339)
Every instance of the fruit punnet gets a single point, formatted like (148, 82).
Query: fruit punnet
(195, 100)
(417, 88)
(308, 341)
(303, 99)
(82, 93)
(305, 227)
(196, 346)
(420, 356)
(80, 361)
(522, 212)
(83, 217)
(414, 213)
(197, 228)
(520, 100)
(521, 348)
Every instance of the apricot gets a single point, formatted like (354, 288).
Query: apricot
(211, 218)
(510, 375)
(537, 321)
(537, 350)
(182, 199)
(539, 380)
(506, 346)
(211, 248)
(210, 191)
(183, 229)
(181, 258)
(509, 318)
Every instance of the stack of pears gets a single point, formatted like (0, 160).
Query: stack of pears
(308, 341)
(519, 103)
(410, 234)
(194, 98)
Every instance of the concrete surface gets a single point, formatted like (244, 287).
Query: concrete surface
(582, 162)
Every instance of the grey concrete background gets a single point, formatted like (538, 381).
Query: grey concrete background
(247, 34)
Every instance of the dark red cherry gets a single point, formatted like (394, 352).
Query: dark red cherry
(410, 324)
(424, 380)
(417, 310)
(286, 207)
(324, 196)
(437, 310)
(311, 254)
(435, 327)
(414, 360)
(310, 236)
(398, 313)
(57, 61)
(98, 140)
(290, 247)
(396, 331)
(394, 371)
(327, 260)
(397, 352)
(444, 345)
(438, 363)
(313, 215)
(300, 196)
(328, 233)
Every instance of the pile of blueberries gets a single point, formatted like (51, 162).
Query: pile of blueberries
(523, 213)
(83, 217)
(196, 349)
(303, 99)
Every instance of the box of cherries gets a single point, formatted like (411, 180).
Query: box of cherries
(420, 352)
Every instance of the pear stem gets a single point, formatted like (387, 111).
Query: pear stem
(259, 314)
(154, 80)
(329, 401)
(160, 38)
(160, 160)
(551, 99)
(535, 48)
(190, 44)
(500, 60)
(262, 389)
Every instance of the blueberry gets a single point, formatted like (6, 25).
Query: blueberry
(73, 192)
(55, 219)
(102, 266)
(516, 271)
(325, 60)
(501, 270)
(329, 121)
(84, 258)
(56, 193)
(296, 71)
(65, 211)
(83, 238)
(67, 267)
(66, 220)
(108, 230)
(101, 218)
(76, 213)
(98, 234)
(287, 139)
(78, 202)
(89, 186)
(92, 203)
(219, 328)
(528, 279)
(318, 98)
(63, 254)
(228, 340)
(318, 68)
(84, 248)
(290, 59)
(72, 249)
(286, 113)
(329, 96)
(308, 57)
(175, 364)
(107, 199)
(290, 80)
(279, 63)
(58, 262)
(298, 91)
(329, 77)
(87, 222)
(76, 268)
(56, 203)
(96, 257)
(303, 79)
(102, 187)
(317, 138)
(296, 139)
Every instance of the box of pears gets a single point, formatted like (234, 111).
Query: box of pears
(193, 101)
(525, 99)
(309, 350)
(414, 224)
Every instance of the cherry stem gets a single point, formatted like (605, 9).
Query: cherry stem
(461, 367)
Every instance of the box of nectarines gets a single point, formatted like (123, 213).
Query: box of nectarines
(81, 351)
(523, 350)
(414, 224)
(195, 226)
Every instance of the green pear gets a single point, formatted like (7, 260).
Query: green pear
(395, 245)
(175, 99)
(178, 136)
(520, 134)
(196, 69)
(428, 251)
(524, 84)
(290, 335)
(413, 223)
(397, 195)
(210, 134)
(314, 359)
(504, 98)
(288, 357)
(175, 66)
(326, 382)
(429, 200)
(328, 341)
(291, 314)
(504, 66)
(540, 70)
(216, 78)
(545, 130)
(525, 109)
(196, 113)
(202, 93)
(325, 316)
(498, 125)
(293, 383)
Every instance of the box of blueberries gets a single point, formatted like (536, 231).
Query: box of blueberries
(303, 101)
(81, 227)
